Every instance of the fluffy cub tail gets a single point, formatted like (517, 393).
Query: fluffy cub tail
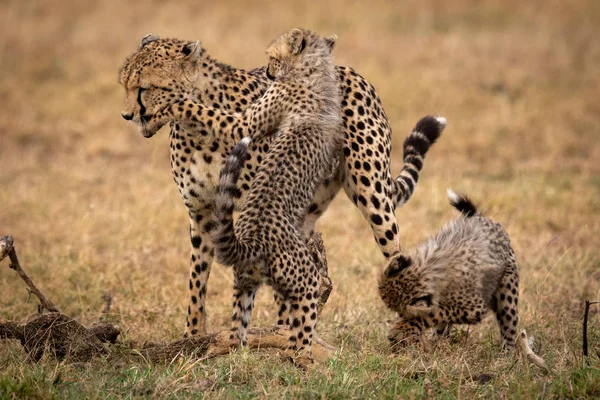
(228, 249)
(462, 203)
(416, 145)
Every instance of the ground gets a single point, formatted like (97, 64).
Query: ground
(93, 208)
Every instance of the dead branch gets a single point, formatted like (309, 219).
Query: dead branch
(527, 352)
(272, 337)
(64, 338)
(56, 333)
(585, 324)
(222, 343)
(7, 248)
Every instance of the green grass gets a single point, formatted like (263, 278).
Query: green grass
(480, 370)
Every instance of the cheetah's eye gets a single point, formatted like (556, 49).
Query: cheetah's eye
(427, 300)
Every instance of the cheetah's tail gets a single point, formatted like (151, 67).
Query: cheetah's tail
(228, 249)
(462, 203)
(416, 145)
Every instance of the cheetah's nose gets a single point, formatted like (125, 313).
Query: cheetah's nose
(127, 117)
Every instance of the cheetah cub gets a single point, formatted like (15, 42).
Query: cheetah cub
(267, 242)
(455, 277)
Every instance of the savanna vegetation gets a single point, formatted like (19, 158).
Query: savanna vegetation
(94, 211)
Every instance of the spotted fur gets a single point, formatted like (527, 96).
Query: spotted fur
(455, 277)
(166, 72)
(267, 242)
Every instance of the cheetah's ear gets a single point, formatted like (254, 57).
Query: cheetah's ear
(296, 41)
(148, 39)
(192, 50)
(397, 265)
(331, 40)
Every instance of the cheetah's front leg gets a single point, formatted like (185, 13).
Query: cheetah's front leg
(260, 119)
(405, 332)
(200, 263)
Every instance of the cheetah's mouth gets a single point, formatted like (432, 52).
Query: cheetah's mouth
(151, 123)
(149, 126)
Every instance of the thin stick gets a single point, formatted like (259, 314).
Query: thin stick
(585, 324)
(585, 320)
(7, 248)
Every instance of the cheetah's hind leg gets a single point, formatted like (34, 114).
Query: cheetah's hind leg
(317, 248)
(507, 300)
(245, 288)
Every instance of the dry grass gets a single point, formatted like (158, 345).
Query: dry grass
(93, 208)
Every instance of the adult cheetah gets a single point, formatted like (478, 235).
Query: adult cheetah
(455, 277)
(165, 71)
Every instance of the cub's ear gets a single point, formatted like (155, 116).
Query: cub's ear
(148, 39)
(331, 40)
(397, 265)
(192, 50)
(296, 41)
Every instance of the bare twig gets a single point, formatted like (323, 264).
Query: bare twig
(526, 351)
(222, 343)
(57, 333)
(6, 245)
(585, 324)
(68, 339)
(7, 249)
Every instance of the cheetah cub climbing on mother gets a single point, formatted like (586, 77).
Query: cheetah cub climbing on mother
(455, 277)
(267, 243)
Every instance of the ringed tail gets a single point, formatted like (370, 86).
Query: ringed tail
(416, 145)
(462, 203)
(228, 249)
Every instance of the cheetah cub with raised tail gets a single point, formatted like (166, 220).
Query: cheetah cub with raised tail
(455, 277)
(267, 242)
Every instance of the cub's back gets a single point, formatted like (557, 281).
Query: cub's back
(477, 254)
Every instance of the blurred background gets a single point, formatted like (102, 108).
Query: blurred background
(93, 208)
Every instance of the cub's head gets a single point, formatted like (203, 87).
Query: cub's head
(299, 53)
(161, 72)
(404, 288)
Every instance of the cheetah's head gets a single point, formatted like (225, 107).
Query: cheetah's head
(299, 53)
(161, 72)
(404, 289)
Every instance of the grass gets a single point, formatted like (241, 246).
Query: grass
(93, 209)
